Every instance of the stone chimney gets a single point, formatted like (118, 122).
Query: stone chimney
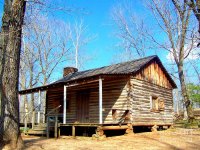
(68, 70)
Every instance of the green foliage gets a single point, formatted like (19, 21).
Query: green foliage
(22, 129)
(194, 92)
(189, 125)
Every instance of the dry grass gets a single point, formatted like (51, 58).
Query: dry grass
(170, 139)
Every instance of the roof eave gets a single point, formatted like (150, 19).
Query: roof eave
(43, 88)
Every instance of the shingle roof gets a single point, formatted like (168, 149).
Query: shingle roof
(120, 68)
(124, 68)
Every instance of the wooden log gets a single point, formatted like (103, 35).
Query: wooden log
(39, 100)
(154, 128)
(100, 101)
(123, 127)
(73, 131)
(47, 126)
(65, 104)
(99, 131)
(58, 131)
(56, 127)
(33, 119)
(129, 130)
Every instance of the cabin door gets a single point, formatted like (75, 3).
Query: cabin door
(83, 107)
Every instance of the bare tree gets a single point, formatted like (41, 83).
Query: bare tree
(79, 38)
(9, 72)
(195, 6)
(130, 30)
(46, 47)
(175, 20)
(50, 46)
(195, 66)
(29, 75)
(10, 47)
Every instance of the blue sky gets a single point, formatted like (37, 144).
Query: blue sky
(99, 22)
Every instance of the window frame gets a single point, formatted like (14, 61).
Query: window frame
(114, 114)
(159, 102)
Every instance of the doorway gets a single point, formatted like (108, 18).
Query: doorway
(83, 106)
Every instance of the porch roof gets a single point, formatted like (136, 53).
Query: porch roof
(125, 68)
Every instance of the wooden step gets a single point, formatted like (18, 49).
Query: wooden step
(34, 132)
(39, 129)
(41, 125)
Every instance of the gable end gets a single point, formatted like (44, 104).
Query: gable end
(154, 72)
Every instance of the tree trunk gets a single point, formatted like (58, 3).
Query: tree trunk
(32, 96)
(184, 93)
(11, 34)
(4, 41)
(25, 113)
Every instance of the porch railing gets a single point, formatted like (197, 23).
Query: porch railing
(53, 114)
(24, 118)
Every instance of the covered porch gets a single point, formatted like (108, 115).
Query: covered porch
(91, 103)
(94, 102)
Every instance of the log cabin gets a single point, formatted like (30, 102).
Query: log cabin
(119, 96)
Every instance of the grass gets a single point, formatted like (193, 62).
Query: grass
(22, 129)
(188, 125)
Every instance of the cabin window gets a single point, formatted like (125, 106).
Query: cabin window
(114, 114)
(127, 115)
(157, 104)
(154, 103)
(161, 104)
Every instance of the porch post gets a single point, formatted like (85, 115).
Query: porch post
(44, 106)
(100, 101)
(39, 108)
(26, 115)
(65, 104)
(19, 100)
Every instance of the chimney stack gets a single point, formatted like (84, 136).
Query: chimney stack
(68, 70)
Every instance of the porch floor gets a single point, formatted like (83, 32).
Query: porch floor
(74, 127)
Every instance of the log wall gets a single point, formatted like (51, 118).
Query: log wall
(140, 92)
(114, 97)
(54, 98)
(121, 94)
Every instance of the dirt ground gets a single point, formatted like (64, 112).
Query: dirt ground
(169, 139)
